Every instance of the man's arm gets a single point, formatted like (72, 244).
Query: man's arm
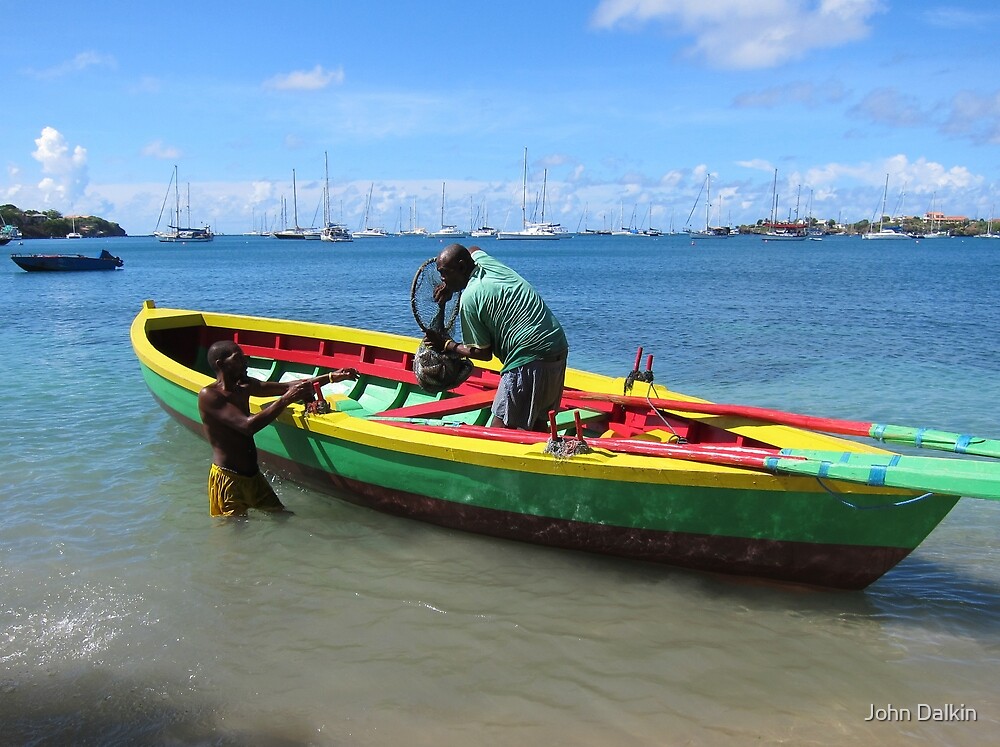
(258, 388)
(216, 409)
(443, 343)
(475, 352)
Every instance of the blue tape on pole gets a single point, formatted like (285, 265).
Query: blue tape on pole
(771, 463)
(962, 444)
(878, 432)
(876, 475)
(894, 460)
(824, 469)
(918, 437)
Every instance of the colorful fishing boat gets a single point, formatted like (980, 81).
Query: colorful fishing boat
(67, 262)
(670, 481)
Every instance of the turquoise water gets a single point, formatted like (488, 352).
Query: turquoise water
(130, 616)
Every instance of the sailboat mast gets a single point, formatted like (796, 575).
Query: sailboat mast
(177, 201)
(774, 199)
(442, 204)
(885, 193)
(708, 200)
(524, 189)
(326, 190)
(368, 203)
(295, 201)
(545, 179)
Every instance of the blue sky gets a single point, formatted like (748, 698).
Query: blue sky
(623, 105)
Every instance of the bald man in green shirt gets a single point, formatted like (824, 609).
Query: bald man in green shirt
(503, 315)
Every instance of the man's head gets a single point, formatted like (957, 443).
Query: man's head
(455, 264)
(224, 354)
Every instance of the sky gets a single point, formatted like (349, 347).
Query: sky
(624, 108)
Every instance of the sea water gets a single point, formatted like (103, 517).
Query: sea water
(129, 616)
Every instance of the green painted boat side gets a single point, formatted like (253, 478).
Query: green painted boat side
(801, 510)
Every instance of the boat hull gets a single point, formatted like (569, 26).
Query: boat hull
(710, 518)
(64, 262)
(886, 235)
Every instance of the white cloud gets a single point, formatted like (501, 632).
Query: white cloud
(77, 64)
(737, 34)
(305, 80)
(67, 169)
(887, 106)
(261, 192)
(554, 159)
(919, 176)
(975, 116)
(804, 93)
(157, 149)
(672, 179)
(757, 164)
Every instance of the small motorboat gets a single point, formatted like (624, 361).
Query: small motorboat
(67, 262)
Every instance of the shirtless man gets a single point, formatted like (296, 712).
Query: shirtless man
(235, 482)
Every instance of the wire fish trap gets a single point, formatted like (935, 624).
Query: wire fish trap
(636, 375)
(316, 403)
(564, 447)
(436, 371)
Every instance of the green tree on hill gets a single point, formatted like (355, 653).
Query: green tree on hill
(34, 224)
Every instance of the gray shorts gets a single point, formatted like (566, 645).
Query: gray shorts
(527, 393)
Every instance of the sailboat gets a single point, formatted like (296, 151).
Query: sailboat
(8, 231)
(710, 231)
(368, 232)
(791, 230)
(331, 231)
(447, 230)
(630, 229)
(884, 233)
(296, 231)
(935, 219)
(531, 230)
(649, 230)
(414, 229)
(485, 230)
(989, 230)
(176, 232)
(73, 234)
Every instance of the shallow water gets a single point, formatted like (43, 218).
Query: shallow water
(128, 615)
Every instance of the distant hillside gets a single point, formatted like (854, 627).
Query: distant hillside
(52, 225)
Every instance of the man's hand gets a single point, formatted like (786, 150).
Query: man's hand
(299, 390)
(435, 339)
(342, 374)
(442, 294)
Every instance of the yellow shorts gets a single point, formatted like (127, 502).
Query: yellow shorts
(231, 494)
